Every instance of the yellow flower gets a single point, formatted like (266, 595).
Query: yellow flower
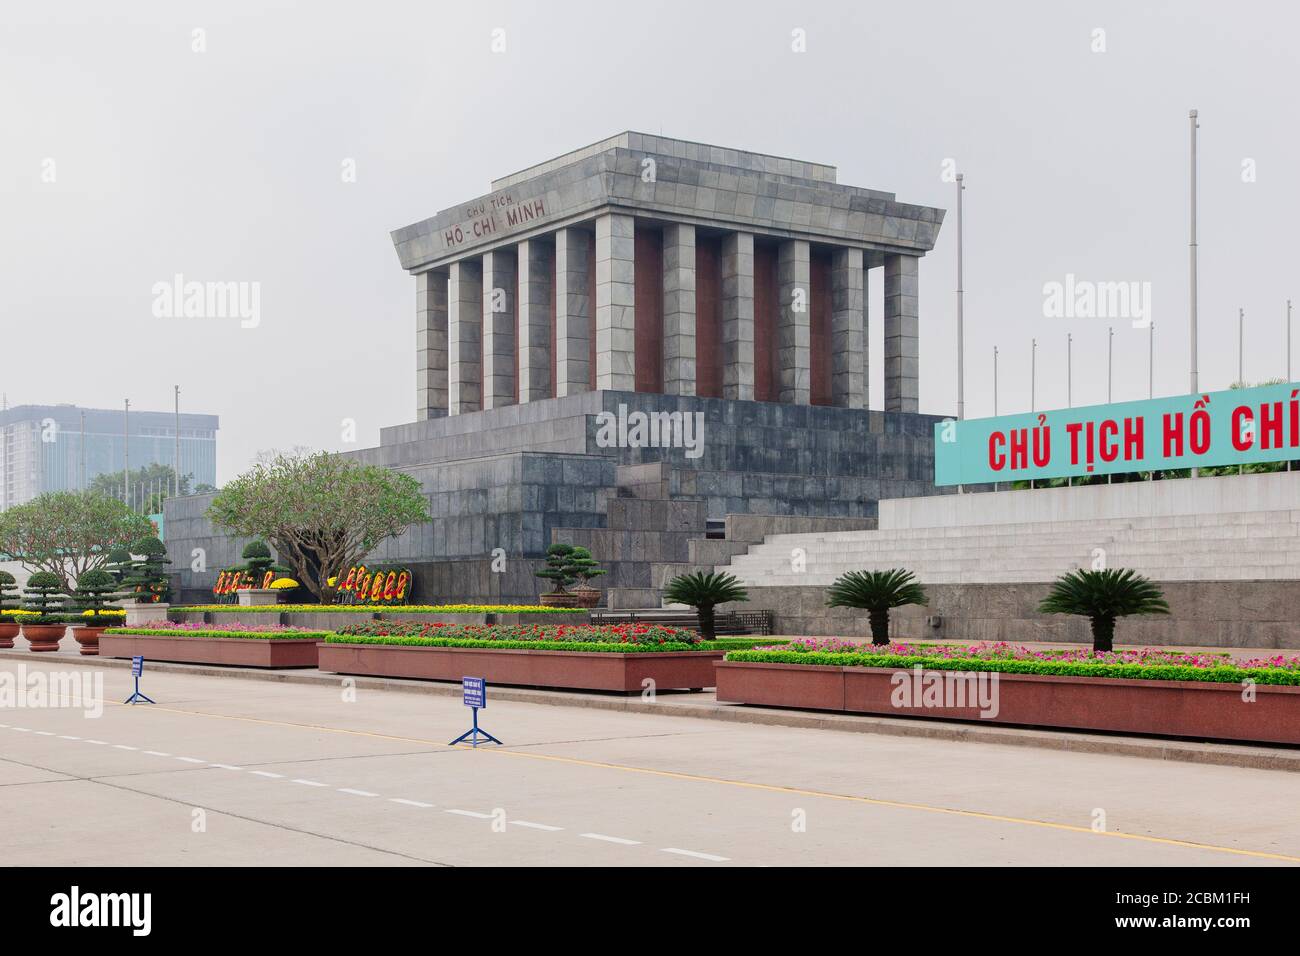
(284, 583)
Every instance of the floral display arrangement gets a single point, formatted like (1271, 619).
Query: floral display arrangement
(559, 637)
(267, 632)
(373, 608)
(371, 586)
(1140, 664)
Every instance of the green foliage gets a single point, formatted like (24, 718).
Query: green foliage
(704, 591)
(257, 560)
(8, 596)
(94, 590)
(1103, 596)
(244, 635)
(118, 563)
(1227, 674)
(561, 567)
(508, 645)
(143, 481)
(876, 592)
(148, 575)
(585, 567)
(322, 513)
(45, 597)
(67, 532)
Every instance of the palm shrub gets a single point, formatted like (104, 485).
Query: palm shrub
(560, 568)
(876, 592)
(1103, 596)
(704, 591)
(147, 578)
(8, 597)
(95, 589)
(44, 596)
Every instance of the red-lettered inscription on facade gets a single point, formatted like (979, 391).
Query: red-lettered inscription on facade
(484, 220)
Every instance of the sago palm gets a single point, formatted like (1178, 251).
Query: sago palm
(876, 592)
(705, 590)
(1102, 596)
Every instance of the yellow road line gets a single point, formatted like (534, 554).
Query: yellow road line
(749, 785)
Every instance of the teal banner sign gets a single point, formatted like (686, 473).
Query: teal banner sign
(1235, 427)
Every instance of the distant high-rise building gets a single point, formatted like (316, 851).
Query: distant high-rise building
(65, 447)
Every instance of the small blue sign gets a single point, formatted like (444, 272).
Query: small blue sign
(137, 666)
(475, 691)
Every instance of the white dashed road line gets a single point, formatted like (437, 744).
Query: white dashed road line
(155, 753)
(695, 854)
(190, 760)
(225, 766)
(267, 774)
(309, 783)
(536, 826)
(409, 803)
(357, 793)
(470, 813)
(611, 839)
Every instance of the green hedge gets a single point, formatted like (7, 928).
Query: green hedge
(1224, 675)
(245, 635)
(605, 647)
(379, 609)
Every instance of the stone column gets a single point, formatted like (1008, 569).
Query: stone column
(534, 320)
(615, 302)
(794, 331)
(738, 316)
(848, 329)
(902, 333)
(679, 310)
(572, 313)
(430, 345)
(465, 336)
(499, 362)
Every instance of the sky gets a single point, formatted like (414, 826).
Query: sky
(278, 143)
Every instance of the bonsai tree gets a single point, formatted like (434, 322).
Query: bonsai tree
(323, 513)
(585, 567)
(44, 597)
(119, 564)
(147, 578)
(1103, 596)
(560, 566)
(705, 590)
(8, 597)
(257, 561)
(94, 590)
(876, 592)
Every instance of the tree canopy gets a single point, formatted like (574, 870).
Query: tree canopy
(68, 532)
(321, 512)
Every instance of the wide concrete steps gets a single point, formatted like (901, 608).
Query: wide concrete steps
(1261, 545)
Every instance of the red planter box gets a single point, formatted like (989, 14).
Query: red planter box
(1166, 708)
(236, 651)
(581, 670)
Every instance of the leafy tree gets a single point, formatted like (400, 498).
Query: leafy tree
(876, 592)
(156, 479)
(704, 591)
(8, 593)
(1103, 596)
(585, 567)
(46, 597)
(148, 577)
(68, 532)
(321, 512)
(561, 567)
(95, 589)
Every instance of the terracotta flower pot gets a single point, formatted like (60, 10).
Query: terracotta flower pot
(88, 637)
(559, 599)
(587, 597)
(43, 637)
(7, 634)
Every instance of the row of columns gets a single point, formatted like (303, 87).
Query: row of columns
(467, 321)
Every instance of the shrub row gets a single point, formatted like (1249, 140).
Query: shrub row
(641, 634)
(373, 608)
(1226, 673)
(535, 645)
(246, 635)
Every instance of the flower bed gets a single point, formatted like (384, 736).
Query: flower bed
(377, 609)
(236, 645)
(1152, 692)
(621, 657)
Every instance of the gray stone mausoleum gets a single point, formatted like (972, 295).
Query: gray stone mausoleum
(635, 346)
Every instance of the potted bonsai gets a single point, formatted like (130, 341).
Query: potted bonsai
(118, 563)
(259, 571)
(585, 568)
(44, 598)
(95, 588)
(146, 582)
(561, 570)
(9, 626)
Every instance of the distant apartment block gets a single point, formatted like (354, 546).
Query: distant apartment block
(64, 447)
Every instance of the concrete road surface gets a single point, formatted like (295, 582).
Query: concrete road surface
(225, 770)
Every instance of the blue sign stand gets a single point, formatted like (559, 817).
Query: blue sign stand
(474, 693)
(137, 668)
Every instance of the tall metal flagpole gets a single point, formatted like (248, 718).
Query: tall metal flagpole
(1151, 360)
(81, 474)
(1110, 362)
(961, 372)
(126, 452)
(1033, 375)
(1069, 369)
(1192, 254)
(176, 462)
(995, 381)
(1241, 347)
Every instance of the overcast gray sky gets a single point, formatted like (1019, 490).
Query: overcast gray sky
(225, 165)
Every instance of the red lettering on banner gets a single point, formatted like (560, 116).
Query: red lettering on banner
(997, 459)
